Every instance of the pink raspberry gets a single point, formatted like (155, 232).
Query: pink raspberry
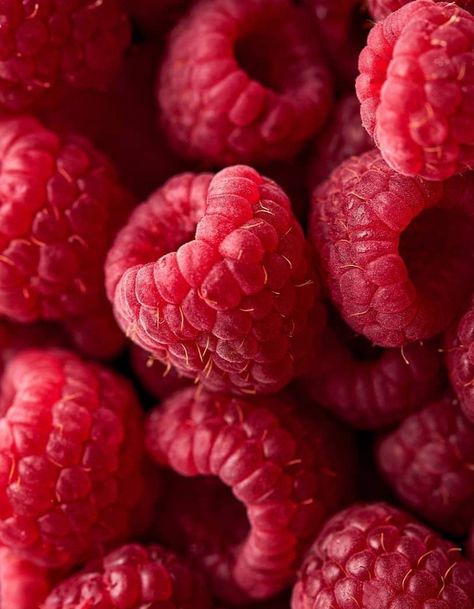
(61, 206)
(428, 461)
(397, 252)
(416, 87)
(70, 457)
(212, 275)
(460, 361)
(44, 44)
(242, 82)
(379, 9)
(159, 380)
(342, 137)
(287, 464)
(132, 577)
(375, 556)
(23, 585)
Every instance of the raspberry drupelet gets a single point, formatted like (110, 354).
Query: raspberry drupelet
(45, 44)
(23, 585)
(242, 82)
(397, 252)
(379, 9)
(71, 442)
(287, 463)
(61, 204)
(416, 88)
(212, 275)
(375, 556)
(132, 577)
(429, 462)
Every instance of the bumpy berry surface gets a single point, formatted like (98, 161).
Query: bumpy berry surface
(70, 457)
(212, 276)
(416, 88)
(46, 43)
(159, 380)
(378, 391)
(373, 556)
(132, 577)
(460, 360)
(342, 137)
(61, 206)
(397, 252)
(242, 82)
(289, 467)
(379, 9)
(23, 585)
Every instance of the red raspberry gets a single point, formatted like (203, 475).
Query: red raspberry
(342, 137)
(460, 361)
(397, 252)
(429, 460)
(416, 88)
(23, 585)
(132, 577)
(46, 43)
(212, 276)
(61, 206)
(159, 380)
(378, 390)
(242, 82)
(375, 556)
(289, 466)
(379, 9)
(70, 457)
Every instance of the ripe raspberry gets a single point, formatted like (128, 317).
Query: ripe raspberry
(23, 585)
(376, 391)
(416, 89)
(429, 461)
(288, 465)
(397, 252)
(69, 474)
(44, 44)
(242, 82)
(160, 381)
(132, 577)
(460, 361)
(379, 9)
(375, 556)
(342, 137)
(212, 275)
(61, 206)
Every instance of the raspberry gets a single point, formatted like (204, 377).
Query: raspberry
(379, 9)
(460, 361)
(416, 89)
(212, 275)
(428, 460)
(69, 474)
(23, 585)
(242, 82)
(288, 465)
(342, 137)
(373, 556)
(47, 43)
(61, 206)
(160, 381)
(132, 577)
(397, 251)
(377, 391)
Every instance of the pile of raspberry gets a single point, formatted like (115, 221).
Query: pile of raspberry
(236, 304)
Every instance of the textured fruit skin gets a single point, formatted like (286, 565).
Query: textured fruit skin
(23, 585)
(342, 137)
(290, 468)
(213, 277)
(428, 460)
(374, 556)
(459, 350)
(61, 206)
(70, 457)
(394, 290)
(44, 44)
(216, 111)
(378, 392)
(132, 577)
(416, 89)
(379, 9)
